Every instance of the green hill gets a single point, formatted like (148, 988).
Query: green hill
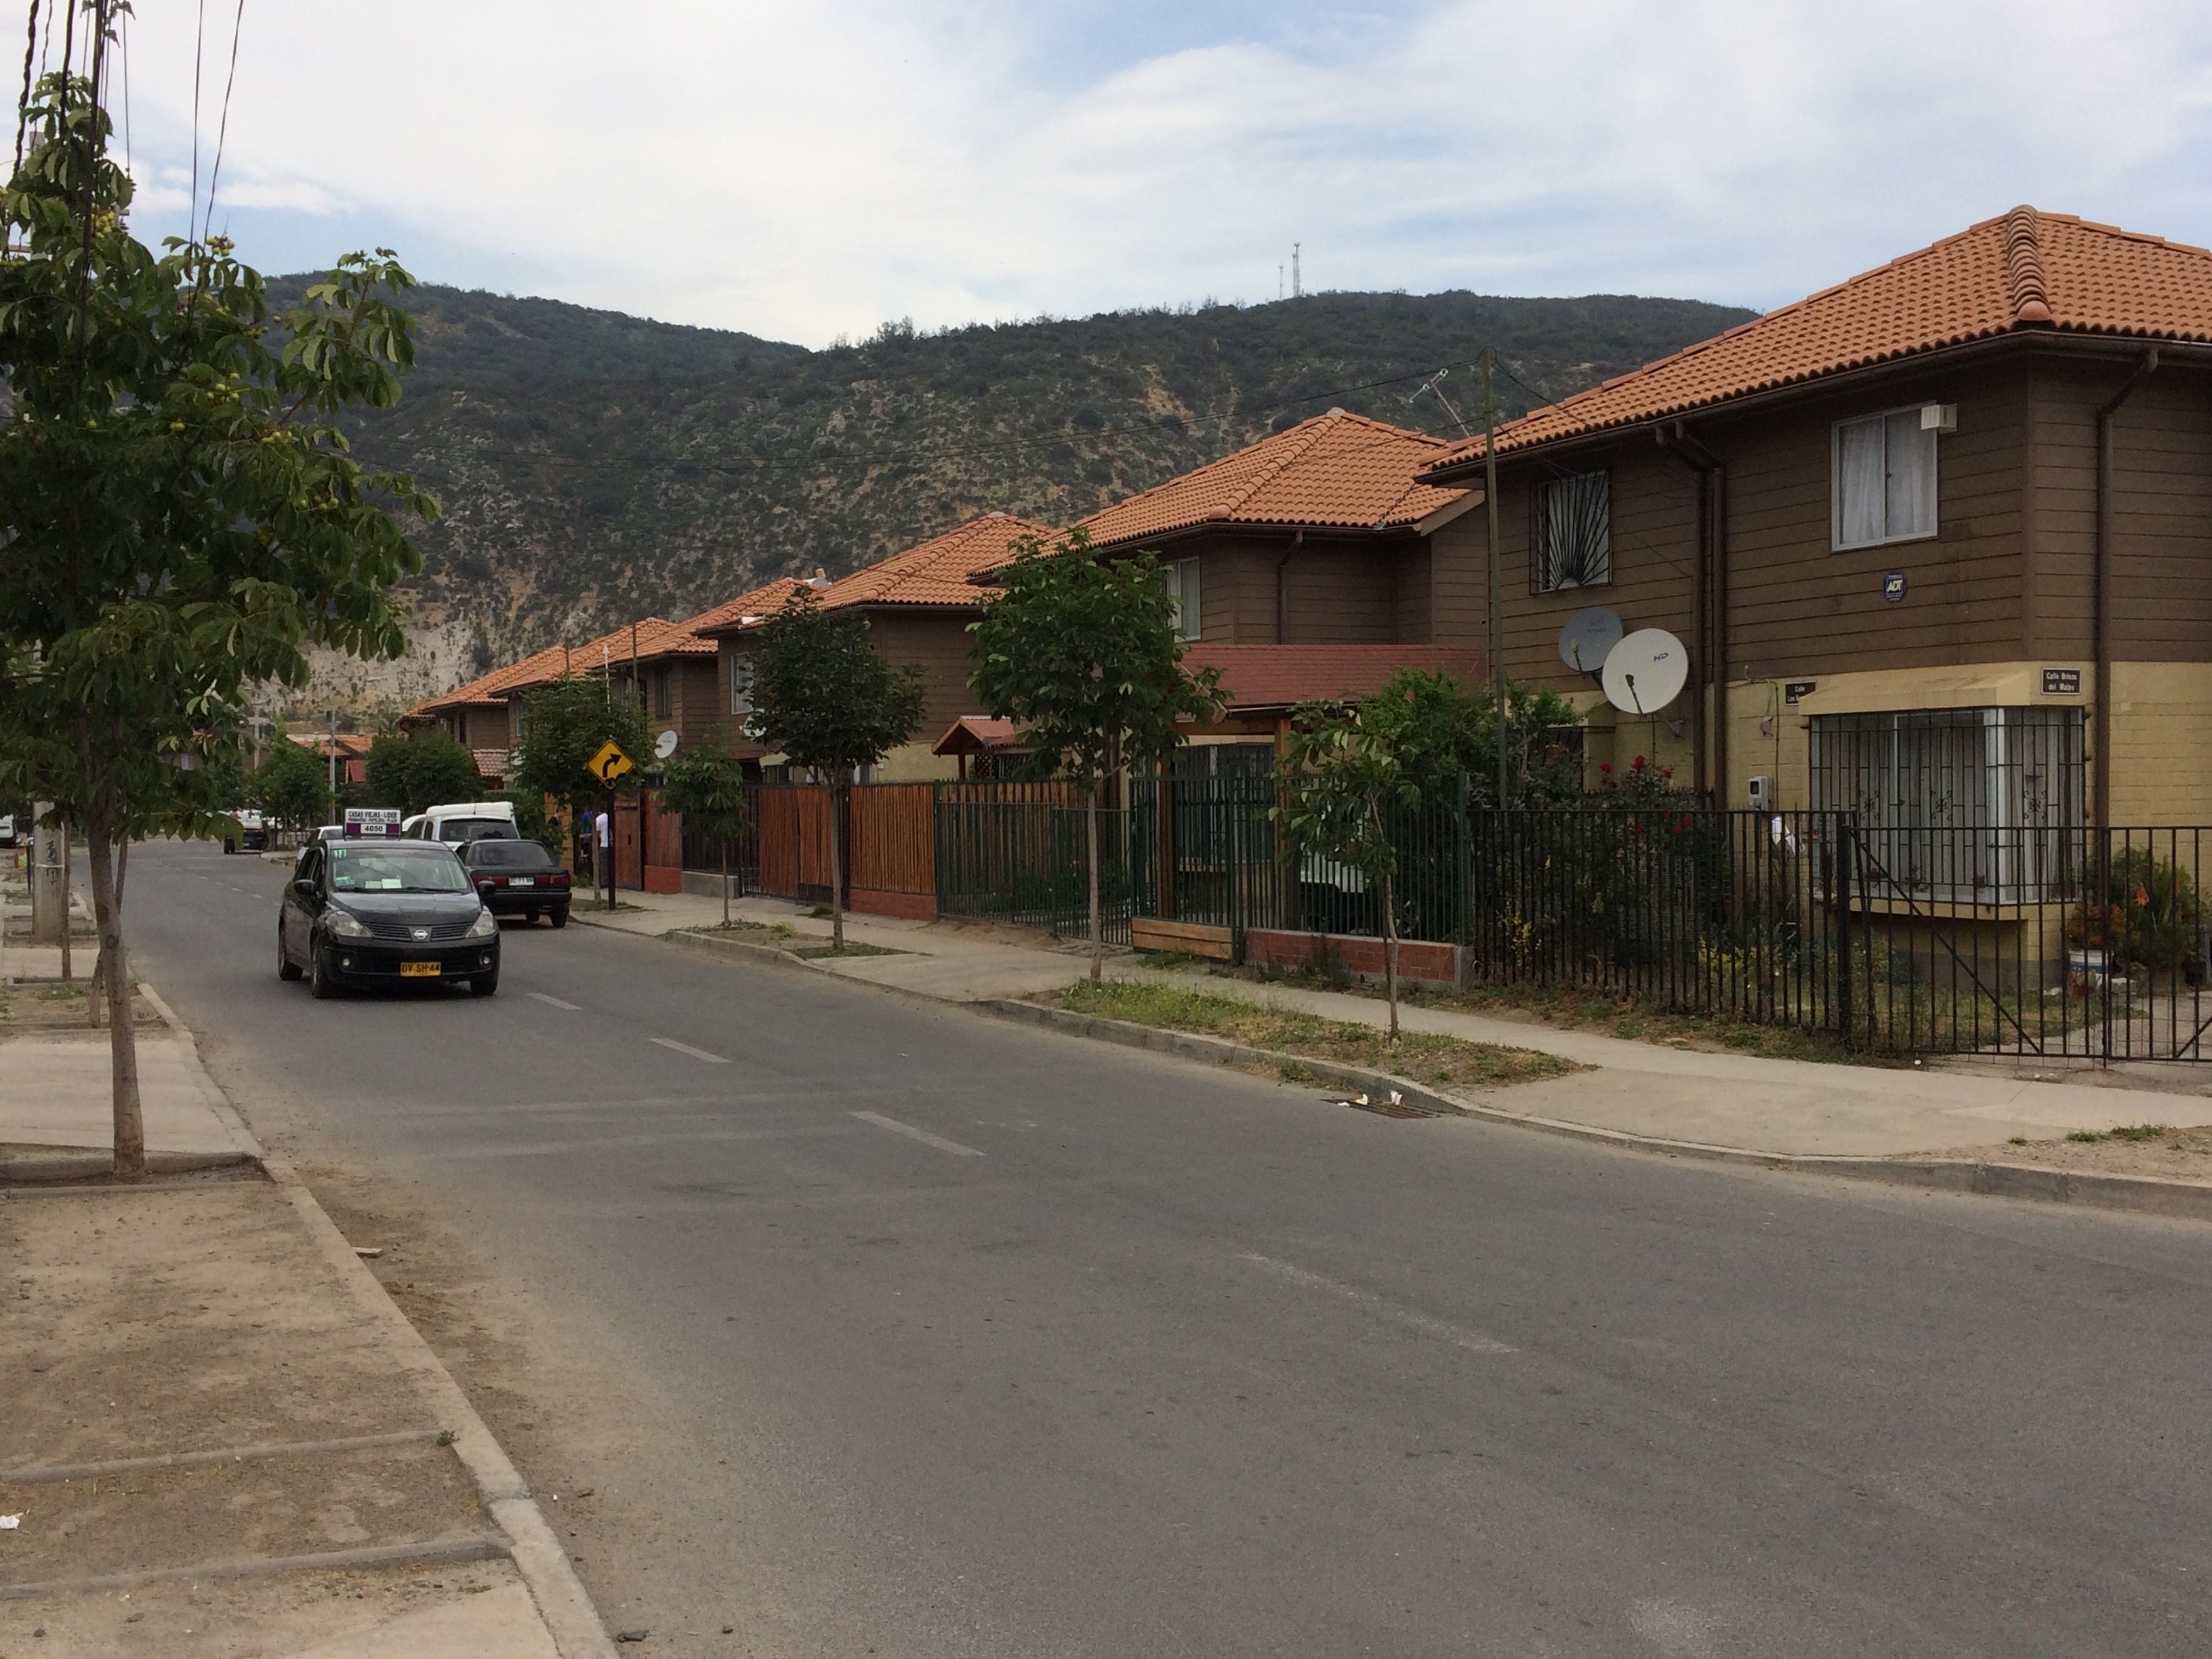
(595, 467)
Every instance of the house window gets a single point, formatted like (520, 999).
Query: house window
(664, 693)
(1884, 469)
(1972, 804)
(1181, 576)
(1574, 533)
(741, 686)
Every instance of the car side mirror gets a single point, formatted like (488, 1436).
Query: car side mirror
(304, 887)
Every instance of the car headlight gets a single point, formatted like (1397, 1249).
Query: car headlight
(342, 922)
(484, 927)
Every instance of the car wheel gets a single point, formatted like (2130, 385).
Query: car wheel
(322, 982)
(559, 915)
(230, 844)
(484, 985)
(287, 969)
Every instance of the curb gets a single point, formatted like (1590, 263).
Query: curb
(87, 1165)
(562, 1603)
(2140, 1195)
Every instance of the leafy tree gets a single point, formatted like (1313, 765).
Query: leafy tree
(294, 784)
(706, 787)
(1082, 651)
(1341, 777)
(181, 514)
(423, 771)
(823, 696)
(564, 723)
(1439, 732)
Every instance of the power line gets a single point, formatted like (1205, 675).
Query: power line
(23, 109)
(237, 24)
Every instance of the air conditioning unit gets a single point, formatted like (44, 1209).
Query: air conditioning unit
(1764, 796)
(1939, 418)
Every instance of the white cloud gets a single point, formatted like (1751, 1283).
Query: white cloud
(798, 172)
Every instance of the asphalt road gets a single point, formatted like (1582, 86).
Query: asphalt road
(878, 1328)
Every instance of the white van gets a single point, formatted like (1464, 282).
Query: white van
(458, 822)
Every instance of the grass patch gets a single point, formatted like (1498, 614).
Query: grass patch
(811, 953)
(2126, 1132)
(1445, 1060)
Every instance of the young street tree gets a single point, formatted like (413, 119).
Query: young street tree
(1342, 778)
(412, 773)
(706, 787)
(293, 786)
(564, 723)
(179, 512)
(824, 697)
(1082, 651)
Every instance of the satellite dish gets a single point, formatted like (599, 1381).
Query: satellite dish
(1588, 637)
(664, 745)
(1646, 671)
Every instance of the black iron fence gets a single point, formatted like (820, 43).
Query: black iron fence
(2058, 943)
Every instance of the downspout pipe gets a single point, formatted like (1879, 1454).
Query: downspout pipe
(2101, 584)
(1709, 603)
(1283, 589)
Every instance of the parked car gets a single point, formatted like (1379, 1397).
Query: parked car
(252, 832)
(518, 878)
(458, 823)
(384, 913)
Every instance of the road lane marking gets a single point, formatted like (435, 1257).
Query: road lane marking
(913, 1134)
(1458, 1335)
(696, 1053)
(603, 1143)
(556, 1002)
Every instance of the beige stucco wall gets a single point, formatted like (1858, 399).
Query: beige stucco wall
(2161, 743)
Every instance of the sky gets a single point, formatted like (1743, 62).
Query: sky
(805, 171)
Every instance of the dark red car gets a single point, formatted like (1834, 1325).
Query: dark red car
(518, 878)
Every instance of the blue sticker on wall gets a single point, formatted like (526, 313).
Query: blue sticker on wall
(1892, 586)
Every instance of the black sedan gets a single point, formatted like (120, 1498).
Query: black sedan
(518, 878)
(384, 913)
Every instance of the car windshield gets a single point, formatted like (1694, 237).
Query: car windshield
(468, 829)
(509, 855)
(396, 870)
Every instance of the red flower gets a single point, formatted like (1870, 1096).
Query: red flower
(1636, 765)
(1605, 766)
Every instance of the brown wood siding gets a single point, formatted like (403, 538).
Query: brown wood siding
(939, 641)
(2162, 518)
(485, 728)
(1410, 580)
(1798, 608)
(1340, 596)
(1338, 590)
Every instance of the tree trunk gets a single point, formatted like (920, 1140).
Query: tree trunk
(1390, 950)
(837, 869)
(115, 983)
(1097, 920)
(95, 1001)
(725, 844)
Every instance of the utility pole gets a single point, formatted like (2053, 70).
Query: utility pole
(1497, 582)
(334, 762)
(1297, 287)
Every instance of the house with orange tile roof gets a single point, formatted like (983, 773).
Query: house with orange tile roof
(1938, 539)
(918, 603)
(479, 715)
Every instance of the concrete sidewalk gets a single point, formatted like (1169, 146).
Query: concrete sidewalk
(1742, 1101)
(220, 1435)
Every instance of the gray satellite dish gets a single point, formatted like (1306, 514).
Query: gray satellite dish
(1588, 637)
(664, 745)
(1646, 671)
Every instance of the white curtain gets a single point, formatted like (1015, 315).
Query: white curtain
(1862, 488)
(1910, 499)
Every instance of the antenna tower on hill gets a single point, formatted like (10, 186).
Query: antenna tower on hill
(1297, 289)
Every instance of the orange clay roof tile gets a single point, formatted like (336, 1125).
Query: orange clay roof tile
(2025, 270)
(937, 573)
(483, 691)
(763, 601)
(1334, 472)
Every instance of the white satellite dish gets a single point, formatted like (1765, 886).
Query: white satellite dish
(1646, 671)
(664, 745)
(1588, 638)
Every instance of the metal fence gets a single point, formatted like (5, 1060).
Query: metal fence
(1018, 852)
(1799, 919)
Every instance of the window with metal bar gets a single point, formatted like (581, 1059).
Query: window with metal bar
(1573, 533)
(1971, 805)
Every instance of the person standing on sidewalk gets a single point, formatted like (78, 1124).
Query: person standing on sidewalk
(602, 871)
